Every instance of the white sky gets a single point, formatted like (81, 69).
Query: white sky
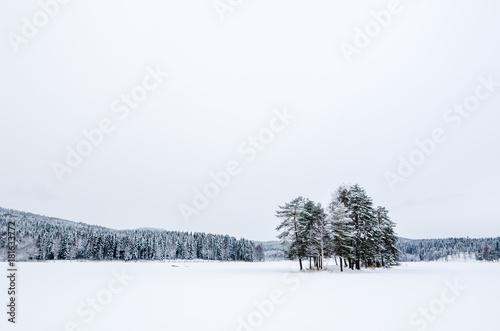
(352, 121)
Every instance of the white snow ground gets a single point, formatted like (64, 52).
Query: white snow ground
(219, 296)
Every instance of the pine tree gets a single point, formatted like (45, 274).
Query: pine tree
(306, 222)
(341, 231)
(259, 253)
(388, 241)
(496, 252)
(290, 228)
(317, 241)
(322, 237)
(361, 212)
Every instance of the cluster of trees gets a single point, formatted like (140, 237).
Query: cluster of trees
(350, 228)
(483, 249)
(42, 238)
(489, 254)
(273, 250)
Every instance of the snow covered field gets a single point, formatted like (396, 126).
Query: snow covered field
(253, 296)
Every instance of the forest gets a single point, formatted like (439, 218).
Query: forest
(449, 249)
(44, 238)
(321, 233)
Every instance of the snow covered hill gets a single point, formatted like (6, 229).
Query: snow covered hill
(45, 238)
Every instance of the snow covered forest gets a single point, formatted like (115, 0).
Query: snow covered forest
(44, 238)
(350, 229)
(450, 249)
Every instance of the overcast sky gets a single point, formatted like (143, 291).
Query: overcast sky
(354, 115)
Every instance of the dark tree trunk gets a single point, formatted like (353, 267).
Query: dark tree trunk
(297, 238)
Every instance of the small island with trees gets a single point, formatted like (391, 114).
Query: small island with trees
(350, 228)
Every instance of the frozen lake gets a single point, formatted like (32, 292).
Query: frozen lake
(253, 296)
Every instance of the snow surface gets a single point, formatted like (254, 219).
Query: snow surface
(214, 296)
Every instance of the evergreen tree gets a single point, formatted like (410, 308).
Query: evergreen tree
(341, 230)
(307, 232)
(388, 241)
(259, 253)
(361, 212)
(318, 244)
(290, 228)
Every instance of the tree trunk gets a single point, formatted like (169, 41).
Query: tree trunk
(322, 255)
(297, 238)
(356, 222)
(341, 269)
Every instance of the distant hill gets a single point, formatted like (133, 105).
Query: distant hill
(449, 249)
(273, 251)
(414, 250)
(47, 238)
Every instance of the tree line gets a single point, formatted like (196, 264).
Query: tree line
(350, 228)
(43, 238)
(481, 249)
